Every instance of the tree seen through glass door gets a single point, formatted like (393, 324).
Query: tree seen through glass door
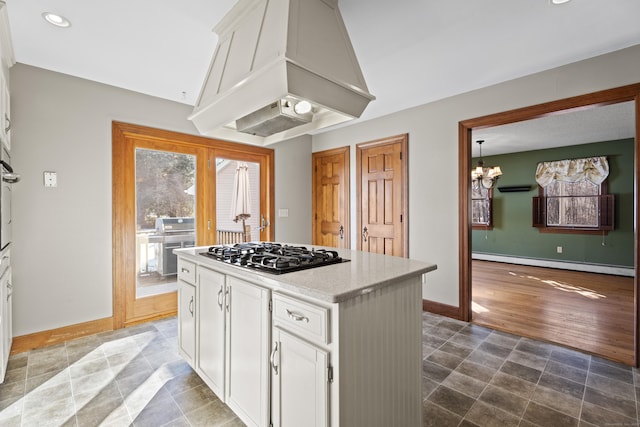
(165, 216)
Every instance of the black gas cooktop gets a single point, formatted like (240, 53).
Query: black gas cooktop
(275, 258)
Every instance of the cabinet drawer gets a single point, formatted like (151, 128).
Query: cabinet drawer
(187, 271)
(310, 321)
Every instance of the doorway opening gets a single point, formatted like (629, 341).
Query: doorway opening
(164, 198)
(466, 128)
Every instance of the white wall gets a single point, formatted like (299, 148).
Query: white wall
(62, 236)
(433, 151)
(293, 159)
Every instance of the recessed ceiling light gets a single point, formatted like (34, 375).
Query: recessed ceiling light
(559, 1)
(57, 20)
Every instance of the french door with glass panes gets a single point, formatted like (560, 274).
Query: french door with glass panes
(173, 191)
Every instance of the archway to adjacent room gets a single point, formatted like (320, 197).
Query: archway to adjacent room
(629, 93)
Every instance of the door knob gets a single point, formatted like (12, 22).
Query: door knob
(264, 223)
(341, 232)
(365, 234)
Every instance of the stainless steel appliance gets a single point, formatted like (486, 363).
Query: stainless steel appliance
(9, 177)
(275, 258)
(173, 233)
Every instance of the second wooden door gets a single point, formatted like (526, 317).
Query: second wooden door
(330, 199)
(383, 196)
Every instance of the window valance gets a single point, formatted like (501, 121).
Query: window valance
(595, 169)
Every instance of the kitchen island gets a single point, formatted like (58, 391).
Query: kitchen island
(336, 345)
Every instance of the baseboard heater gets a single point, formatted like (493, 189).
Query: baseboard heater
(563, 265)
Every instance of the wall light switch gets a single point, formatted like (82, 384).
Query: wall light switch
(50, 179)
(283, 213)
(559, 249)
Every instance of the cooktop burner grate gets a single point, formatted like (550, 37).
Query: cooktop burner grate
(276, 258)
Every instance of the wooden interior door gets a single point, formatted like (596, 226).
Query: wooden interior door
(383, 190)
(330, 198)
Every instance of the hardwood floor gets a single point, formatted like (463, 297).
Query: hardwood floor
(585, 311)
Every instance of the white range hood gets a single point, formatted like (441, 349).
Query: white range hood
(271, 55)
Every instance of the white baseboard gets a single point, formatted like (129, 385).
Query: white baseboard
(590, 268)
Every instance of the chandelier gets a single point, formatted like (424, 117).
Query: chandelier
(484, 176)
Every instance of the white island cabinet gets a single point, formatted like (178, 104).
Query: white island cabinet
(223, 330)
(338, 345)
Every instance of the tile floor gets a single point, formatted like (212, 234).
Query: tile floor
(472, 376)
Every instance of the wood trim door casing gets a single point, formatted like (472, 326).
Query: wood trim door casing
(123, 189)
(403, 140)
(345, 195)
(595, 99)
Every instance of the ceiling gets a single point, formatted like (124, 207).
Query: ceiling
(411, 51)
(602, 123)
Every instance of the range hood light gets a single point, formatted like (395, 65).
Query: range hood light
(302, 107)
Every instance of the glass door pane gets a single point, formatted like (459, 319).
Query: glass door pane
(238, 217)
(165, 217)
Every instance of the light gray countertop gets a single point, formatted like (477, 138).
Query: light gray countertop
(333, 283)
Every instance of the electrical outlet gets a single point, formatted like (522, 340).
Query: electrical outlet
(559, 249)
(50, 179)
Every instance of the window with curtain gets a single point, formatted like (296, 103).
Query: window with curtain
(573, 196)
(481, 208)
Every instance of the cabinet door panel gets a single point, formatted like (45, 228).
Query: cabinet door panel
(299, 387)
(5, 321)
(187, 321)
(211, 329)
(248, 327)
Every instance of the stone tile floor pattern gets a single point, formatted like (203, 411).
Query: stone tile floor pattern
(472, 376)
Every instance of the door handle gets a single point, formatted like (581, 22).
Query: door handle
(220, 298)
(264, 223)
(228, 298)
(365, 234)
(274, 365)
(191, 306)
(341, 232)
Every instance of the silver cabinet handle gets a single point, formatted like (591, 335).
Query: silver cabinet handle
(365, 234)
(184, 270)
(297, 317)
(8, 128)
(227, 297)
(191, 306)
(274, 365)
(220, 298)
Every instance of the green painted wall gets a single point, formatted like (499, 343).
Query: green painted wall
(513, 234)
